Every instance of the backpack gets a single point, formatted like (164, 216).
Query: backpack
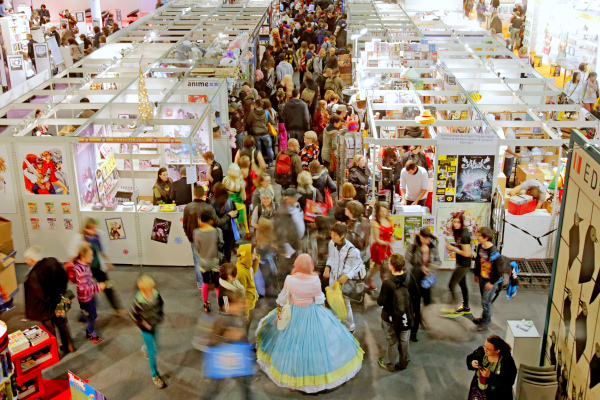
(283, 169)
(310, 64)
(302, 66)
(330, 84)
(403, 316)
(308, 96)
(289, 57)
(510, 275)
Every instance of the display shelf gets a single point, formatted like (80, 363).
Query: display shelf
(15, 28)
(23, 375)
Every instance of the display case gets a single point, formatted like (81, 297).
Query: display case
(15, 28)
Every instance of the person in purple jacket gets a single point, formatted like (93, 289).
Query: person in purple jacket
(86, 287)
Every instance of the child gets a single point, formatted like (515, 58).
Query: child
(208, 240)
(397, 327)
(488, 273)
(147, 312)
(228, 286)
(247, 265)
(86, 289)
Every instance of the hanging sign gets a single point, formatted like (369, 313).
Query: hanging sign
(127, 140)
(466, 139)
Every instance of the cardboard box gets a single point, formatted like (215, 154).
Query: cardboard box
(7, 247)
(522, 174)
(502, 182)
(519, 205)
(5, 230)
(8, 275)
(506, 197)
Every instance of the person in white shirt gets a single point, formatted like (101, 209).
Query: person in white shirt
(414, 184)
(510, 154)
(534, 188)
(574, 88)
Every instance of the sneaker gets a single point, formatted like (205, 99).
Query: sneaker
(462, 310)
(158, 382)
(207, 306)
(94, 338)
(390, 368)
(401, 367)
(414, 338)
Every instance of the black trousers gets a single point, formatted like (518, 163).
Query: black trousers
(111, 295)
(63, 330)
(425, 295)
(459, 276)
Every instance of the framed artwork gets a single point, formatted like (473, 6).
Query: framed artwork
(80, 16)
(115, 228)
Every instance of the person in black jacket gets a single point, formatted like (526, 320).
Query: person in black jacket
(495, 370)
(296, 118)
(309, 83)
(44, 285)
(488, 272)
(181, 190)
(321, 178)
(397, 332)
(359, 177)
(215, 171)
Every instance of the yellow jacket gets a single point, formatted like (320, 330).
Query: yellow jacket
(245, 273)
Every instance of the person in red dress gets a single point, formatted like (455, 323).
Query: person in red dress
(383, 238)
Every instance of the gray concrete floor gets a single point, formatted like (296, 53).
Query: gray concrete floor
(117, 368)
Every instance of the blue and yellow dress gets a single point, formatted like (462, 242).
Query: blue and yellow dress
(315, 352)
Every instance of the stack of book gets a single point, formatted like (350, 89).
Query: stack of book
(36, 335)
(17, 342)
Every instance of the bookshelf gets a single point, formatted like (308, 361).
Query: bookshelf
(14, 31)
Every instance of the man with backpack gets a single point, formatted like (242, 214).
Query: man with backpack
(399, 298)
(288, 165)
(309, 92)
(257, 126)
(296, 118)
(489, 271)
(317, 65)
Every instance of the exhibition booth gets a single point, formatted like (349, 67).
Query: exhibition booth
(155, 97)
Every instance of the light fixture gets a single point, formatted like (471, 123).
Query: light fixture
(409, 74)
(363, 31)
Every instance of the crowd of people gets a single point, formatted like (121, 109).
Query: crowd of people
(242, 225)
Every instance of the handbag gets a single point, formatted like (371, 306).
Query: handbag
(64, 305)
(235, 229)
(285, 315)
(477, 394)
(328, 199)
(354, 289)
(313, 208)
(428, 281)
(270, 127)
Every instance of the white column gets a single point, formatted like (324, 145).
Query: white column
(96, 9)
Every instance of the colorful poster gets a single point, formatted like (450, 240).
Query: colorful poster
(68, 224)
(160, 230)
(66, 208)
(412, 226)
(32, 207)
(197, 98)
(35, 224)
(115, 228)
(87, 170)
(397, 223)
(178, 153)
(51, 223)
(49, 207)
(475, 215)
(42, 169)
(475, 179)
(81, 390)
(446, 179)
(108, 166)
(7, 197)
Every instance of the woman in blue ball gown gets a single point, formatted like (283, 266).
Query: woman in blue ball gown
(315, 351)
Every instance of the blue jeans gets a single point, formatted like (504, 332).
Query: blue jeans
(486, 301)
(150, 339)
(197, 266)
(265, 146)
(89, 310)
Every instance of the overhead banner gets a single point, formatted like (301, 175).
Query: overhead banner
(572, 334)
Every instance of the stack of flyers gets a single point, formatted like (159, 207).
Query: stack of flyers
(36, 335)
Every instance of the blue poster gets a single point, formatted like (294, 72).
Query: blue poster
(80, 390)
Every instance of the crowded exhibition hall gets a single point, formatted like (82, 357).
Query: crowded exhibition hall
(274, 199)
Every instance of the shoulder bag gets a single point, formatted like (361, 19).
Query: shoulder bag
(285, 315)
(354, 289)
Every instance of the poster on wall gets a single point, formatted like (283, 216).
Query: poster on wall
(397, 223)
(42, 169)
(475, 216)
(80, 390)
(412, 226)
(160, 230)
(115, 228)
(572, 343)
(7, 196)
(446, 179)
(87, 166)
(475, 179)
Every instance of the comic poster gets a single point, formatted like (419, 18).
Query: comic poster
(35, 224)
(42, 169)
(412, 226)
(32, 207)
(66, 208)
(475, 179)
(68, 223)
(49, 207)
(160, 230)
(115, 228)
(51, 223)
(7, 198)
(475, 216)
(80, 390)
(87, 168)
(446, 179)
(397, 223)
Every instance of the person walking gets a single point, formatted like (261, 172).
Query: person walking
(383, 239)
(147, 313)
(296, 118)
(590, 91)
(488, 273)
(257, 126)
(495, 370)
(223, 206)
(574, 88)
(208, 240)
(288, 165)
(422, 255)
(85, 291)
(310, 152)
(44, 287)
(284, 68)
(462, 249)
(330, 140)
(321, 178)
(398, 299)
(247, 264)
(343, 264)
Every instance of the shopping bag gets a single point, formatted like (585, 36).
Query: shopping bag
(284, 316)
(328, 199)
(236, 231)
(229, 360)
(428, 281)
(272, 130)
(312, 209)
(335, 299)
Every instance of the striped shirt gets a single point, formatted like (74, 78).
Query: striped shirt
(85, 282)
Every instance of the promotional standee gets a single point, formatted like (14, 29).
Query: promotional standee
(572, 334)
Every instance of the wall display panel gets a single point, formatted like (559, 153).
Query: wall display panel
(159, 250)
(475, 216)
(7, 185)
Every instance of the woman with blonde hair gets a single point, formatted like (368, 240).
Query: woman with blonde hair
(301, 52)
(236, 188)
(358, 175)
(274, 36)
(307, 190)
(288, 84)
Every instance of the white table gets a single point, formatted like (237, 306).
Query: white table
(525, 344)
